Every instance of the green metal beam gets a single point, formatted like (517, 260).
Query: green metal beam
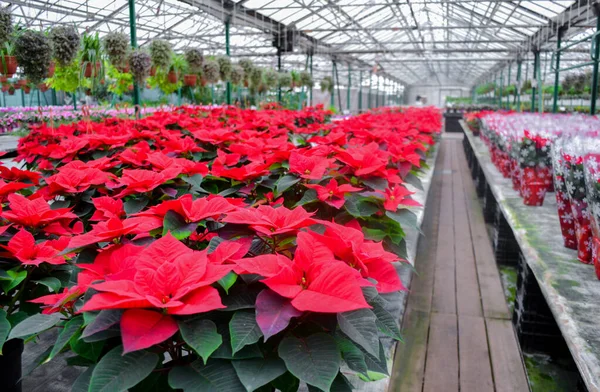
(332, 98)
(227, 48)
(133, 34)
(557, 73)
(370, 86)
(596, 58)
(508, 85)
(518, 90)
(311, 74)
(349, 86)
(536, 56)
(360, 91)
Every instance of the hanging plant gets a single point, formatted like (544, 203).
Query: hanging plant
(247, 65)
(270, 78)
(306, 79)
(6, 27)
(140, 63)
(237, 74)
(117, 47)
(34, 53)
(224, 67)
(285, 80)
(211, 71)
(256, 75)
(161, 53)
(327, 85)
(65, 43)
(195, 59)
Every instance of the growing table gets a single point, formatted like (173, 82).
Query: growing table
(569, 287)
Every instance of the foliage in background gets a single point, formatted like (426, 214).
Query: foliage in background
(237, 75)
(65, 78)
(34, 53)
(6, 27)
(211, 71)
(161, 53)
(119, 82)
(65, 44)
(194, 59)
(224, 67)
(140, 64)
(117, 48)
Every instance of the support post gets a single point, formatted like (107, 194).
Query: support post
(337, 82)
(557, 71)
(360, 91)
(332, 97)
(507, 86)
(311, 74)
(133, 34)
(540, 87)
(228, 88)
(370, 86)
(536, 55)
(518, 83)
(377, 94)
(349, 87)
(595, 71)
(500, 89)
(278, 70)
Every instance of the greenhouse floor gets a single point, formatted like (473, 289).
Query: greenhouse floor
(457, 329)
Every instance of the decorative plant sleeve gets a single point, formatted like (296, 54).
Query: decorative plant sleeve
(591, 166)
(563, 203)
(575, 185)
(534, 161)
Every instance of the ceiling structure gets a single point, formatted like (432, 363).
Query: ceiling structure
(408, 42)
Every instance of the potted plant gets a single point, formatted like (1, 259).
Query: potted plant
(140, 63)
(34, 53)
(177, 68)
(26, 89)
(161, 53)
(9, 61)
(91, 56)
(194, 59)
(247, 65)
(190, 80)
(327, 84)
(211, 71)
(284, 80)
(5, 87)
(11, 90)
(306, 79)
(65, 44)
(43, 87)
(237, 75)
(117, 47)
(224, 67)
(6, 27)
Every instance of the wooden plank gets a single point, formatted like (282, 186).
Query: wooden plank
(468, 298)
(507, 363)
(490, 284)
(474, 356)
(409, 360)
(444, 290)
(441, 369)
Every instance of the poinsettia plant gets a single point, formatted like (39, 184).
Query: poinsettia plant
(224, 248)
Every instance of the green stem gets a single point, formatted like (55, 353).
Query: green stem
(13, 303)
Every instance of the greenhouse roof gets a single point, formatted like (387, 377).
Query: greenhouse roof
(409, 42)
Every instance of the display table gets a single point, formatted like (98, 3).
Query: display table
(569, 287)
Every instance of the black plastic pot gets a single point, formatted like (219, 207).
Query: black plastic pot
(10, 365)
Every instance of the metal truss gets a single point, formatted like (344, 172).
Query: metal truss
(406, 42)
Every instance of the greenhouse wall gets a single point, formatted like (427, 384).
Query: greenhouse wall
(435, 94)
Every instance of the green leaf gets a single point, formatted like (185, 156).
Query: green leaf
(308, 197)
(314, 359)
(359, 206)
(374, 234)
(377, 183)
(340, 384)
(359, 325)
(35, 324)
(89, 351)
(133, 206)
(14, 279)
(70, 328)
(4, 328)
(195, 181)
(284, 183)
(374, 364)
(177, 226)
(244, 330)
(286, 383)
(385, 321)
(104, 320)
(228, 280)
(201, 336)
(406, 218)
(217, 376)
(254, 373)
(52, 283)
(82, 383)
(116, 372)
(414, 181)
(352, 355)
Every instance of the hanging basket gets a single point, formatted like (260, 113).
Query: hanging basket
(43, 87)
(88, 69)
(172, 77)
(153, 71)
(190, 80)
(9, 65)
(51, 69)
